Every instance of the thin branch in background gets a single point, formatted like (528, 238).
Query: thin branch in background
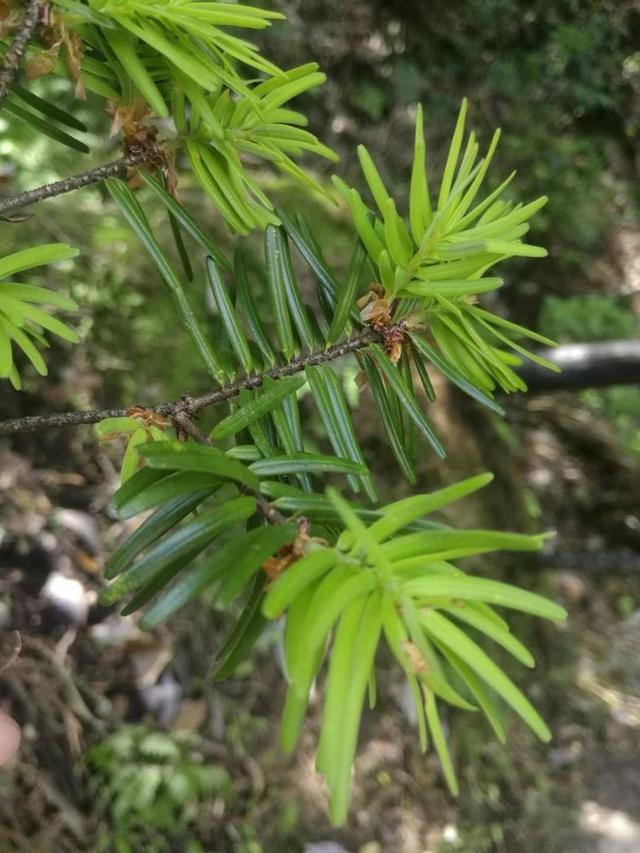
(13, 56)
(67, 185)
(585, 365)
(193, 405)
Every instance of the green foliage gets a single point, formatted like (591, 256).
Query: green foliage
(40, 118)
(260, 127)
(339, 578)
(155, 60)
(148, 786)
(435, 265)
(138, 433)
(576, 62)
(22, 323)
(464, 333)
(244, 513)
(388, 577)
(592, 317)
(621, 406)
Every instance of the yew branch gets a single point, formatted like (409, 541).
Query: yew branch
(192, 405)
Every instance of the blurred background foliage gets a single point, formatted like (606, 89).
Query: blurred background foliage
(562, 78)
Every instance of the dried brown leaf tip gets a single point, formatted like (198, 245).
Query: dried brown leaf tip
(417, 662)
(274, 566)
(149, 417)
(137, 124)
(375, 310)
(41, 63)
(54, 35)
(75, 53)
(9, 17)
(393, 338)
(132, 120)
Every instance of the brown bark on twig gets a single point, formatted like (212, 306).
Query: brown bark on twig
(66, 185)
(13, 56)
(194, 404)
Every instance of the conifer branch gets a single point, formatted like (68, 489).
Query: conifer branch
(191, 405)
(93, 176)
